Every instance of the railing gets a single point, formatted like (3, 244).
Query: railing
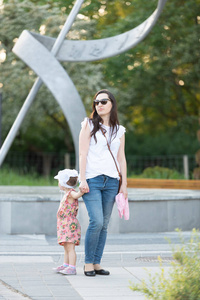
(41, 163)
(50, 163)
(184, 164)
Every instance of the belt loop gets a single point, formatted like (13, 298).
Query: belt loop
(106, 179)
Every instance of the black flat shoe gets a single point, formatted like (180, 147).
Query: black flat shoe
(102, 272)
(89, 273)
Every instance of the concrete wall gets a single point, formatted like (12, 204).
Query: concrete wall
(32, 210)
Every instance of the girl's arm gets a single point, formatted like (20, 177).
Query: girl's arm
(84, 142)
(123, 167)
(76, 195)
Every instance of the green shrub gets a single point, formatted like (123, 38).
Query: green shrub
(161, 173)
(182, 281)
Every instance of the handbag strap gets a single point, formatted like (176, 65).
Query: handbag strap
(111, 152)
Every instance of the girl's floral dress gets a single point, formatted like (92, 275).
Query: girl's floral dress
(68, 227)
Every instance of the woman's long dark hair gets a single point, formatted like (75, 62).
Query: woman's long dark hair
(96, 119)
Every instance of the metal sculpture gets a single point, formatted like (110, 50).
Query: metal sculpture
(43, 54)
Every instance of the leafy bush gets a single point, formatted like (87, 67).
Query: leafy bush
(161, 173)
(182, 281)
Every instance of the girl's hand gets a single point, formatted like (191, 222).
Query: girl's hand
(123, 190)
(83, 187)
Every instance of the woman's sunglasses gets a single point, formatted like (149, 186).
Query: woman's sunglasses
(102, 101)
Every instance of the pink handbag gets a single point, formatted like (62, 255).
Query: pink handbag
(122, 206)
(122, 203)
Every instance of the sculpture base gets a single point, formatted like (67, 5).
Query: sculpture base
(32, 210)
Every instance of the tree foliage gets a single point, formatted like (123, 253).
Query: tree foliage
(156, 83)
(161, 75)
(44, 128)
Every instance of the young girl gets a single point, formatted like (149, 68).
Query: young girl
(68, 227)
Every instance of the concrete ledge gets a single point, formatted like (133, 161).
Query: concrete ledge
(32, 210)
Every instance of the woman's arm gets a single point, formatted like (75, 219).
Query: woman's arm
(123, 167)
(84, 142)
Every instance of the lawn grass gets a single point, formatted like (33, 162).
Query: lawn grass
(16, 177)
(12, 177)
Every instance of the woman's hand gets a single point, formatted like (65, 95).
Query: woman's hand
(123, 190)
(83, 187)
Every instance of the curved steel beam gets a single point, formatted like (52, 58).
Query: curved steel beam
(46, 66)
(42, 54)
(91, 50)
(33, 92)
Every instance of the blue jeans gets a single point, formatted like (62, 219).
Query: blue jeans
(99, 203)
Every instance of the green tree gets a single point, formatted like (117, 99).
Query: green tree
(160, 77)
(44, 128)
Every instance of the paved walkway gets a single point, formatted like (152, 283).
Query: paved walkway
(26, 263)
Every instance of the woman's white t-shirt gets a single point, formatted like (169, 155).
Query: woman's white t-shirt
(99, 159)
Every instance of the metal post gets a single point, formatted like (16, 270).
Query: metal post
(186, 166)
(0, 116)
(67, 161)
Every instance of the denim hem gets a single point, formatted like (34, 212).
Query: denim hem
(86, 262)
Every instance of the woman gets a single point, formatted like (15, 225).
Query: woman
(99, 178)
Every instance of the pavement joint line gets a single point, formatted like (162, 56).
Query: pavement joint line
(73, 287)
(127, 270)
(82, 253)
(12, 289)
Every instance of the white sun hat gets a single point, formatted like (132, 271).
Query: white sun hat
(64, 175)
